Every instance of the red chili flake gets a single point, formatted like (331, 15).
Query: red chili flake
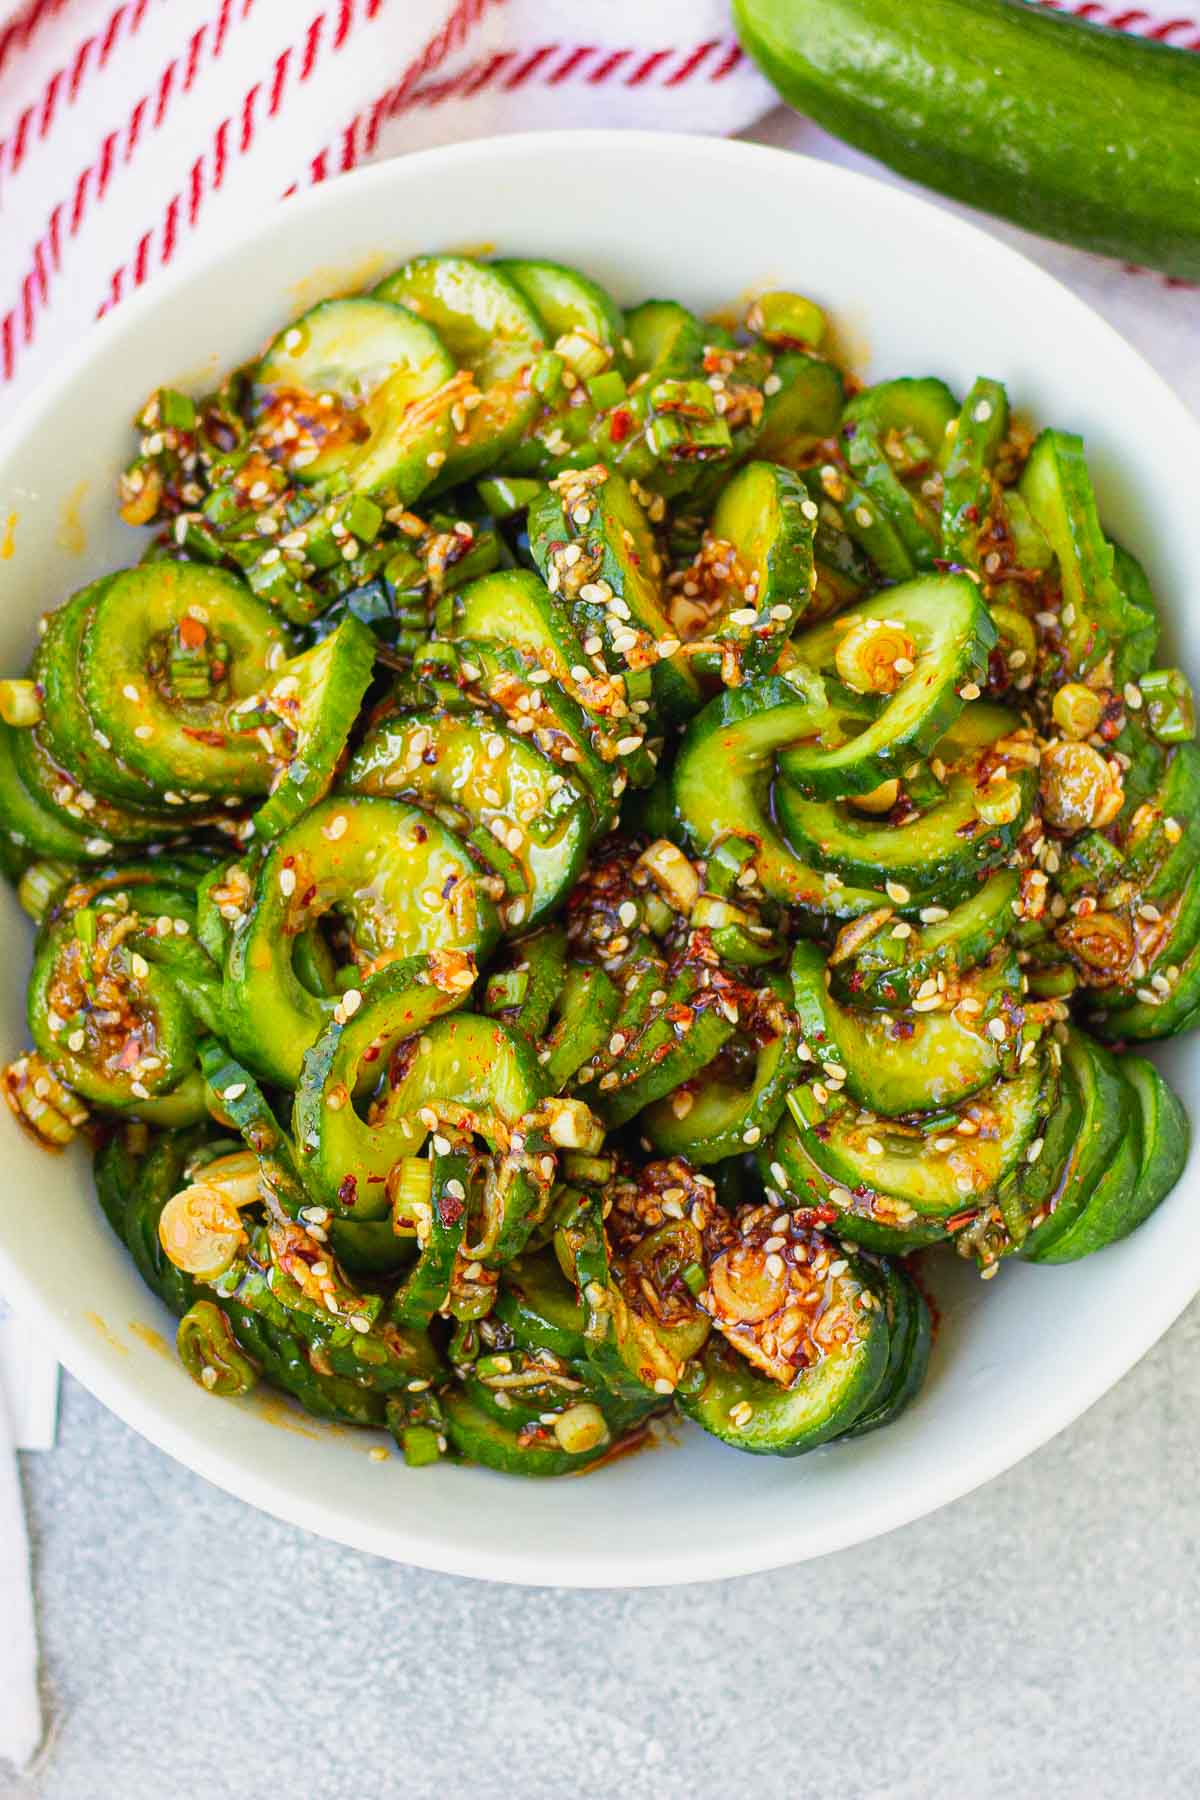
(348, 1190)
(131, 1052)
(450, 1210)
(904, 1028)
(192, 634)
(420, 835)
(971, 513)
(215, 739)
(371, 1053)
(620, 424)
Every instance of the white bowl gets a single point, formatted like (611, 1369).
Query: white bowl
(915, 291)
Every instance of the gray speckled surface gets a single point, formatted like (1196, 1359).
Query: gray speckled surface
(1041, 1636)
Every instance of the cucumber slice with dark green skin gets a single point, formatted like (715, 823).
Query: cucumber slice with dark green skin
(936, 1175)
(916, 410)
(1098, 618)
(72, 1027)
(401, 882)
(595, 513)
(495, 780)
(1105, 1213)
(426, 1289)
(52, 785)
(802, 411)
(721, 789)
(1156, 1014)
(863, 522)
(888, 971)
(939, 853)
(897, 1066)
(1137, 1176)
(664, 338)
(514, 608)
(376, 360)
(911, 1338)
(868, 1220)
(523, 988)
(952, 635)
(133, 1191)
(489, 328)
(346, 1144)
(317, 697)
(541, 1308)
(1162, 868)
(726, 1117)
(1166, 1139)
(967, 460)
(1177, 933)
(565, 300)
(67, 728)
(1107, 1112)
(678, 1039)
(28, 825)
(529, 1450)
(764, 513)
(587, 1007)
(745, 1408)
(186, 747)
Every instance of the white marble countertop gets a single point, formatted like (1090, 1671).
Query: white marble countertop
(1041, 1636)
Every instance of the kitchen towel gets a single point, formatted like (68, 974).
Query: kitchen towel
(131, 130)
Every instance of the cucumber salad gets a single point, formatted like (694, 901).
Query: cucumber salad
(585, 841)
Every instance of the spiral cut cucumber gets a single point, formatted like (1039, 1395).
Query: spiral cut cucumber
(578, 849)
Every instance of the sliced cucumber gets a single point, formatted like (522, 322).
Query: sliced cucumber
(887, 970)
(802, 411)
(614, 584)
(951, 633)
(317, 697)
(750, 1410)
(910, 416)
(941, 851)
(401, 883)
(899, 1065)
(911, 1338)
(1107, 1119)
(721, 788)
(765, 515)
(937, 1174)
(664, 338)
(725, 1116)
(380, 366)
(485, 779)
(1097, 618)
(1166, 1139)
(490, 330)
(869, 1220)
(967, 458)
(566, 301)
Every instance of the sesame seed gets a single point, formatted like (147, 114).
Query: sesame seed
(287, 882)
(970, 691)
(896, 891)
(997, 1029)
(234, 1091)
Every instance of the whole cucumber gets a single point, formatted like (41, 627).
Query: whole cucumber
(1080, 133)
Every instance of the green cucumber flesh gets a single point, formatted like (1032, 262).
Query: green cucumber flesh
(489, 328)
(952, 635)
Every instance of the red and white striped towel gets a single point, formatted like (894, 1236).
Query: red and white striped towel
(131, 129)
